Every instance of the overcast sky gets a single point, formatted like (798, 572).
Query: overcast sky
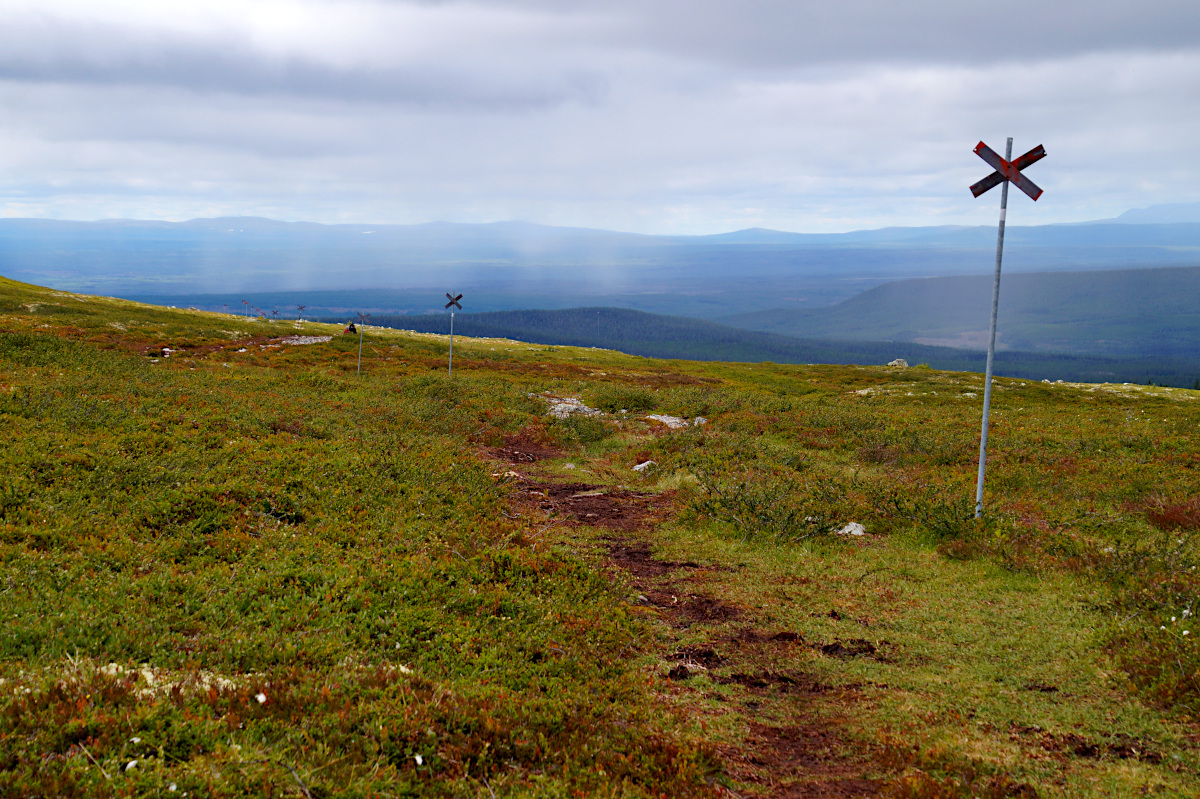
(657, 116)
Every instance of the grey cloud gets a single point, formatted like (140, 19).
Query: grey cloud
(62, 51)
(797, 33)
(651, 116)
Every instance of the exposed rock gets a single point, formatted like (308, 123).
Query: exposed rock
(675, 422)
(899, 362)
(305, 339)
(853, 528)
(641, 467)
(564, 407)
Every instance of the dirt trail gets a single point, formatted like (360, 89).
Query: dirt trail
(807, 755)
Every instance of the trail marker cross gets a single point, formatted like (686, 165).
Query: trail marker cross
(453, 302)
(1007, 171)
(362, 322)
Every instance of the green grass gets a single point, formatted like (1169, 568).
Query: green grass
(250, 571)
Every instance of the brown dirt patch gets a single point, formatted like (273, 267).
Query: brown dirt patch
(846, 650)
(598, 506)
(683, 610)
(748, 637)
(795, 682)
(523, 448)
(678, 606)
(802, 760)
(1119, 746)
(1040, 687)
(700, 655)
(634, 557)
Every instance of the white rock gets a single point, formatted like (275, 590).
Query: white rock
(673, 422)
(300, 340)
(641, 467)
(899, 362)
(564, 407)
(699, 420)
(568, 466)
(853, 528)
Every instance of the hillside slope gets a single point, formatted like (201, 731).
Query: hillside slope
(238, 559)
(658, 336)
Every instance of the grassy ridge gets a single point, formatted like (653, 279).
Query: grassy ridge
(658, 336)
(249, 571)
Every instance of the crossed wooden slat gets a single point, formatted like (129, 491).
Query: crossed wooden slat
(453, 301)
(1008, 170)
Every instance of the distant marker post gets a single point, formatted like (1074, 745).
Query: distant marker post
(1007, 171)
(453, 302)
(362, 322)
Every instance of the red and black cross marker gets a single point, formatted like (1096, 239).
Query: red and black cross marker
(1008, 170)
(453, 302)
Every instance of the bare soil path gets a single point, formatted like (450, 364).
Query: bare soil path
(803, 754)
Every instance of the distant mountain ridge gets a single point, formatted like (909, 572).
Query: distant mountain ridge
(1169, 213)
(1143, 312)
(523, 264)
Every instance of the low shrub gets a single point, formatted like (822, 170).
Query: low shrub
(761, 502)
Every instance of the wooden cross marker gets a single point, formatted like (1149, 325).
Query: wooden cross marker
(453, 302)
(1007, 171)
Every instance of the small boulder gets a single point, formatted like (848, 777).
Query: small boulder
(853, 528)
(899, 362)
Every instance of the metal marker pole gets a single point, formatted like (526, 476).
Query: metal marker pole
(451, 370)
(987, 380)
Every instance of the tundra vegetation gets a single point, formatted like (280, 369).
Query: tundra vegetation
(231, 567)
